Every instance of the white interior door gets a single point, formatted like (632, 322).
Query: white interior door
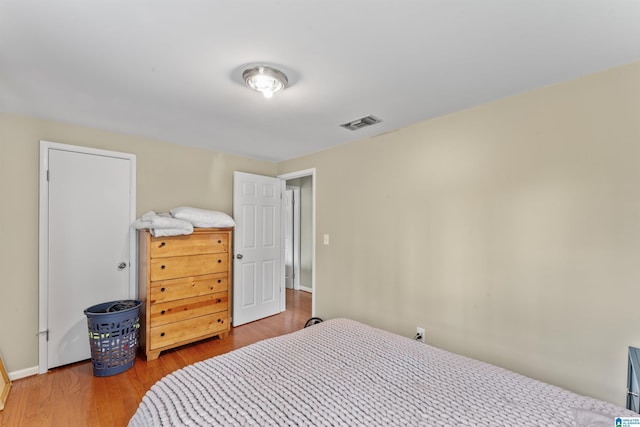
(289, 260)
(258, 280)
(88, 244)
(291, 232)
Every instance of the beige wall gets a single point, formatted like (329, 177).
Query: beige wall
(511, 231)
(168, 176)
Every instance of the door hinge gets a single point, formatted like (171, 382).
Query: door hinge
(44, 333)
(47, 174)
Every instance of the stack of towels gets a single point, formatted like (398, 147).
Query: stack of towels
(181, 220)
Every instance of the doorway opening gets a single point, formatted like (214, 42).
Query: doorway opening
(298, 189)
(259, 244)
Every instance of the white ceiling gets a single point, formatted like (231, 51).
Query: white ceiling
(171, 70)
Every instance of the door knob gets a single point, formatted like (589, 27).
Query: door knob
(239, 256)
(122, 265)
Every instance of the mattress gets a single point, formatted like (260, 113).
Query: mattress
(344, 373)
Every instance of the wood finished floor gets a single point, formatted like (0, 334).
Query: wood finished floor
(71, 396)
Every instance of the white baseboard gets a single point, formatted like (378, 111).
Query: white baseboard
(304, 288)
(22, 373)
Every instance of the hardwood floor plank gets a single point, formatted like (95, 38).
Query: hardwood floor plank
(71, 396)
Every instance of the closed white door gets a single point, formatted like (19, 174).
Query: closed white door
(258, 279)
(88, 244)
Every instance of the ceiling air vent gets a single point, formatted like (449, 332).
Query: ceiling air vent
(361, 123)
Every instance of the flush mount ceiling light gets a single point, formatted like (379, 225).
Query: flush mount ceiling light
(265, 80)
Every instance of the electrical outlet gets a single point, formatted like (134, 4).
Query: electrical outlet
(420, 334)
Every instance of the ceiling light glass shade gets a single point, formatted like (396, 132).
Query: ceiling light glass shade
(265, 80)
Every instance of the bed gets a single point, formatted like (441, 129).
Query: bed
(344, 373)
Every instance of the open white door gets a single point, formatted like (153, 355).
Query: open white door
(258, 280)
(291, 233)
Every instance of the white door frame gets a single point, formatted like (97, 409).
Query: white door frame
(293, 175)
(43, 237)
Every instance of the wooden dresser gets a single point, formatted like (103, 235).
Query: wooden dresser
(185, 285)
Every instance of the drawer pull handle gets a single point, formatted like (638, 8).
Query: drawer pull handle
(220, 321)
(162, 312)
(162, 267)
(219, 280)
(162, 244)
(162, 334)
(162, 289)
(219, 300)
(219, 241)
(219, 261)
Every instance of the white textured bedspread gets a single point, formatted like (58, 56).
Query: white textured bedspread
(343, 373)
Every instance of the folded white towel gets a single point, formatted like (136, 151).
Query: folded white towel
(148, 216)
(202, 217)
(163, 224)
(163, 232)
(139, 224)
(144, 221)
(171, 223)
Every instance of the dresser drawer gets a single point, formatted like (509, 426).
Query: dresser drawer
(173, 289)
(193, 244)
(187, 330)
(194, 265)
(187, 308)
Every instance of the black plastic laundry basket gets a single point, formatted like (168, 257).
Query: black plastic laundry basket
(113, 336)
